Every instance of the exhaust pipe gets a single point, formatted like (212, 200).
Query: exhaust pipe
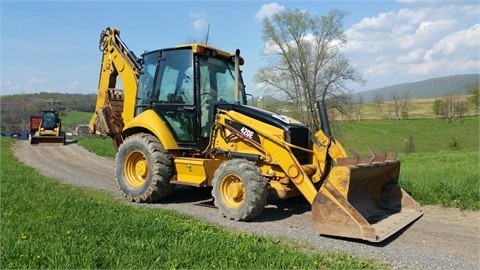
(237, 76)
(323, 116)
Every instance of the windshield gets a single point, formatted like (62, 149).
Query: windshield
(217, 77)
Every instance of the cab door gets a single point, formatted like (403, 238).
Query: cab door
(173, 95)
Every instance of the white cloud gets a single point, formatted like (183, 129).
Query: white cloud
(457, 52)
(73, 85)
(22, 86)
(382, 22)
(433, 29)
(9, 87)
(34, 84)
(199, 20)
(380, 67)
(460, 41)
(429, 40)
(410, 57)
(8, 83)
(35, 81)
(445, 66)
(471, 10)
(267, 11)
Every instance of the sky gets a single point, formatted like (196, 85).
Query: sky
(52, 46)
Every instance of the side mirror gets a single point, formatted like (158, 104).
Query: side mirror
(249, 95)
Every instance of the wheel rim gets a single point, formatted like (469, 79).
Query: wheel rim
(136, 169)
(232, 191)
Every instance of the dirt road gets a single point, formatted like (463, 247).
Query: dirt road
(443, 238)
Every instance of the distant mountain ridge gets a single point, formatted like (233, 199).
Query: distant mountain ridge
(430, 88)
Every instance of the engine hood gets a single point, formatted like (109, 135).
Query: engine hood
(276, 120)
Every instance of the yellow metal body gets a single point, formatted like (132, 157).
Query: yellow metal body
(359, 202)
(349, 198)
(279, 163)
(356, 201)
(149, 120)
(136, 169)
(115, 63)
(196, 172)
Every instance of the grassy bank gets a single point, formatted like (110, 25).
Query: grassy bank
(428, 135)
(102, 146)
(73, 118)
(446, 178)
(443, 164)
(46, 224)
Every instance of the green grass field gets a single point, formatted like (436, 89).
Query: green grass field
(102, 146)
(73, 118)
(443, 163)
(429, 135)
(46, 224)
(446, 178)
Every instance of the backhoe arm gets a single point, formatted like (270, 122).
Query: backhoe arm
(114, 106)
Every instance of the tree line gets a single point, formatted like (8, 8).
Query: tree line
(15, 110)
(393, 105)
(452, 107)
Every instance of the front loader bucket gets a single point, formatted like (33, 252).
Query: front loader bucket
(48, 140)
(363, 202)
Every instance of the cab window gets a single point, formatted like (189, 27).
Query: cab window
(174, 83)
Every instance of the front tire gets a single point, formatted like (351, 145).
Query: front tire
(239, 190)
(143, 169)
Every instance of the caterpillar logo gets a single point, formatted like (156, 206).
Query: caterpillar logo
(245, 131)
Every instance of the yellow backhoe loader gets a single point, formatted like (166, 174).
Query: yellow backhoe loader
(47, 129)
(182, 119)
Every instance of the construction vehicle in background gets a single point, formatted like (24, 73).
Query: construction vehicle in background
(34, 125)
(46, 129)
(182, 119)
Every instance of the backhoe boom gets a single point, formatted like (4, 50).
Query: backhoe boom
(114, 106)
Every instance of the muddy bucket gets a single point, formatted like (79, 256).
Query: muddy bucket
(48, 140)
(363, 202)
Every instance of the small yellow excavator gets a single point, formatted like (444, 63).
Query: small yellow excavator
(46, 129)
(182, 119)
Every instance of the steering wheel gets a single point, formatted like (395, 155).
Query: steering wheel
(209, 95)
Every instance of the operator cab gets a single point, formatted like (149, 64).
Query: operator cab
(183, 85)
(50, 120)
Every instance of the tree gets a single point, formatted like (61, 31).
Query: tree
(474, 97)
(378, 103)
(452, 107)
(405, 103)
(358, 106)
(400, 104)
(304, 60)
(396, 103)
(438, 107)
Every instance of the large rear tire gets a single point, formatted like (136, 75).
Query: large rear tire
(239, 190)
(143, 169)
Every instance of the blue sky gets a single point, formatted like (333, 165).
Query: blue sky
(52, 46)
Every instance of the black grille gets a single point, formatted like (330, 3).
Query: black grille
(299, 136)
